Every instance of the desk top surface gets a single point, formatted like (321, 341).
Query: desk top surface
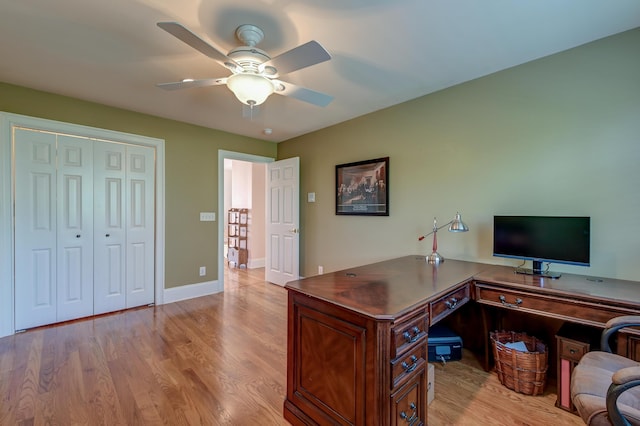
(390, 288)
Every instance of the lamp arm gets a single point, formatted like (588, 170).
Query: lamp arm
(434, 231)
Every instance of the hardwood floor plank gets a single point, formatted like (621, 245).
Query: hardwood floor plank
(126, 399)
(202, 395)
(29, 386)
(214, 360)
(98, 384)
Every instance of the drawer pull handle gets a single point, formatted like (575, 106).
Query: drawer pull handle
(510, 305)
(409, 368)
(572, 351)
(413, 417)
(409, 338)
(451, 303)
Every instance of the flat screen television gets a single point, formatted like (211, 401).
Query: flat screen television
(553, 239)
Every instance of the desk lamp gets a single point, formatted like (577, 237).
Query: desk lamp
(456, 225)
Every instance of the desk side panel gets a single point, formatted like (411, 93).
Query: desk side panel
(330, 353)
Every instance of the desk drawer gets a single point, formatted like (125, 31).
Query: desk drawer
(403, 367)
(571, 349)
(440, 308)
(549, 305)
(408, 334)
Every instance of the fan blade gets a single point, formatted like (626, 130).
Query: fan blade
(186, 36)
(303, 56)
(302, 94)
(192, 83)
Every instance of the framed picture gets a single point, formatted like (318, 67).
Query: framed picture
(362, 188)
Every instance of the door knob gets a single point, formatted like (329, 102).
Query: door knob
(294, 230)
(78, 236)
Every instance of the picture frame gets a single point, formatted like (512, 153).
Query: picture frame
(362, 188)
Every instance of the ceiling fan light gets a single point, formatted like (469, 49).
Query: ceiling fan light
(250, 89)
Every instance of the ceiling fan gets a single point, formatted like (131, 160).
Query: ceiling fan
(255, 75)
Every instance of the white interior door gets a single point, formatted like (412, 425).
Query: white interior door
(283, 217)
(109, 229)
(35, 228)
(140, 225)
(74, 228)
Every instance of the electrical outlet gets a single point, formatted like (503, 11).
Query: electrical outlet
(320, 270)
(203, 271)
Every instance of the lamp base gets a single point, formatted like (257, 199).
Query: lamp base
(434, 258)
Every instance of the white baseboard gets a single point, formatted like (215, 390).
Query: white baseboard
(191, 291)
(256, 263)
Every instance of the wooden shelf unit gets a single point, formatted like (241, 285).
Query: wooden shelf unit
(237, 234)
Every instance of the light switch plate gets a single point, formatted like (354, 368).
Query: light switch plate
(207, 216)
(311, 197)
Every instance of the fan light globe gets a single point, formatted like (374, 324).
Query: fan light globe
(250, 89)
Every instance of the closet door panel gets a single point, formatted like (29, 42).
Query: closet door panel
(110, 233)
(140, 225)
(75, 228)
(35, 228)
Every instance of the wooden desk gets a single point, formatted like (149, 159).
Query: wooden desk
(357, 339)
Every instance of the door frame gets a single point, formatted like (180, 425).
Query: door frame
(229, 155)
(7, 122)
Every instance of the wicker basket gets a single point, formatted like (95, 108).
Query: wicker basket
(524, 372)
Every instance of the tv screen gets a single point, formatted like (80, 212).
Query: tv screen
(555, 239)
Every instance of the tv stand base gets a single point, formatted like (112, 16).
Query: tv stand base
(544, 274)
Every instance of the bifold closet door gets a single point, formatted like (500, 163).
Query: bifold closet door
(140, 225)
(53, 228)
(84, 227)
(124, 226)
(109, 232)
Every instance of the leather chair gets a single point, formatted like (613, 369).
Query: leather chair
(603, 384)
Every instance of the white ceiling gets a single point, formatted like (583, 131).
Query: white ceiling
(384, 52)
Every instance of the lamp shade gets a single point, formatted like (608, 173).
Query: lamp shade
(457, 225)
(250, 89)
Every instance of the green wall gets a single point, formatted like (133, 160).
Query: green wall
(191, 171)
(556, 136)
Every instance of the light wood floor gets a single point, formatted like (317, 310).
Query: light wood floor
(214, 360)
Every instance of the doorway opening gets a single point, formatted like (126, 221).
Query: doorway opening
(241, 185)
(244, 214)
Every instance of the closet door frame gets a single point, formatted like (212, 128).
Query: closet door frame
(8, 122)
